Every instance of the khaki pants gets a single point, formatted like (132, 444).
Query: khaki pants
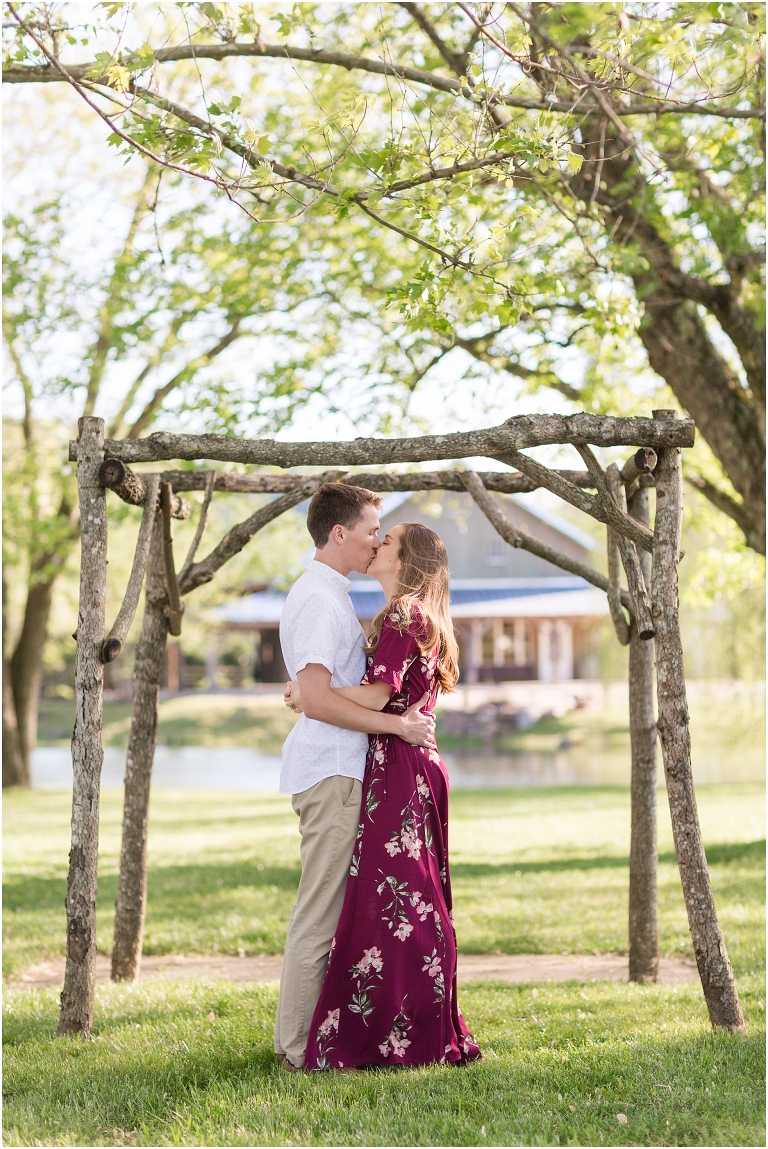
(329, 814)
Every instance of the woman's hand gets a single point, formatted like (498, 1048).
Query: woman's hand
(418, 728)
(292, 697)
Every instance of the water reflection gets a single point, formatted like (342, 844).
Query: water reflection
(239, 768)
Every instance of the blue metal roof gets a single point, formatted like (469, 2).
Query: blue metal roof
(266, 606)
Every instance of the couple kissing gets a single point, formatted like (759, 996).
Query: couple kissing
(369, 972)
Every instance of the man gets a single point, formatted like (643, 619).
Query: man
(324, 755)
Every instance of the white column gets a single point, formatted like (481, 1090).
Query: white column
(475, 650)
(212, 660)
(564, 665)
(519, 642)
(544, 653)
(498, 642)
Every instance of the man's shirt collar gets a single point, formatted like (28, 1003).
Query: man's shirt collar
(322, 570)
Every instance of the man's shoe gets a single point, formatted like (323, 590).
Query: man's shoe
(288, 1066)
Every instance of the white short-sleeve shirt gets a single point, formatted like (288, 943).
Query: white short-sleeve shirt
(319, 625)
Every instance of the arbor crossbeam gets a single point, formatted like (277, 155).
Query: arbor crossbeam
(657, 439)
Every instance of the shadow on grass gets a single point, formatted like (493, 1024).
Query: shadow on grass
(28, 892)
(174, 883)
(740, 853)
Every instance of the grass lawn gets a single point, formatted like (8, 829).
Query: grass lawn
(191, 1064)
(533, 871)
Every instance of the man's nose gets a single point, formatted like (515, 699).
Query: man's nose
(376, 543)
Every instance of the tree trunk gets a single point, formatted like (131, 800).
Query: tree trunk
(26, 666)
(132, 888)
(711, 956)
(87, 753)
(680, 350)
(14, 773)
(643, 908)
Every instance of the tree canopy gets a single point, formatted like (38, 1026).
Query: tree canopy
(524, 183)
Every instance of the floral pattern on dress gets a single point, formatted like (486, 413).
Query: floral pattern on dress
(326, 1032)
(365, 973)
(396, 925)
(397, 1042)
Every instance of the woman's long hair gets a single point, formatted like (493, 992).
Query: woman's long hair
(423, 579)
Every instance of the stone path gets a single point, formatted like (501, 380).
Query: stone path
(514, 968)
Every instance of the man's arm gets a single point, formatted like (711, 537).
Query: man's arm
(373, 696)
(324, 704)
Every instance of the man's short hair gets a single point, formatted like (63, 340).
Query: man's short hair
(337, 504)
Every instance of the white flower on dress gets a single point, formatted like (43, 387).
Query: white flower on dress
(381, 669)
(403, 930)
(371, 959)
(432, 966)
(421, 786)
(415, 897)
(412, 843)
(397, 1042)
(423, 909)
(331, 1022)
(392, 848)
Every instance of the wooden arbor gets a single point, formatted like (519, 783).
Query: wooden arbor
(651, 599)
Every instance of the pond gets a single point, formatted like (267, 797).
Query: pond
(240, 768)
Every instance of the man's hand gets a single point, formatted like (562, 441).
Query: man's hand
(292, 697)
(418, 729)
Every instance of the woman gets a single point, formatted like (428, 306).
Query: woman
(389, 994)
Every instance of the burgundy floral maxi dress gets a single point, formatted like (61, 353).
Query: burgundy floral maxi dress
(389, 994)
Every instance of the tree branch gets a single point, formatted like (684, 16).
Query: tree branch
(175, 605)
(620, 521)
(44, 73)
(134, 489)
(210, 483)
(113, 643)
(527, 542)
(618, 618)
(516, 433)
(630, 560)
(484, 354)
(723, 302)
(456, 61)
(507, 483)
(728, 505)
(187, 372)
(234, 540)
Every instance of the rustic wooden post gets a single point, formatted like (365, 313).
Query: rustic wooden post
(87, 754)
(175, 605)
(132, 888)
(643, 851)
(715, 970)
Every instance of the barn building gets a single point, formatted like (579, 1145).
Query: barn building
(517, 617)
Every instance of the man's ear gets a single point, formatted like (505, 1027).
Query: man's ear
(337, 534)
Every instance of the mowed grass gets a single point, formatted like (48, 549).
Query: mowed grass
(537, 870)
(533, 871)
(191, 1064)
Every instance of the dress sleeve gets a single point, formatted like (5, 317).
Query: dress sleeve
(395, 652)
(314, 633)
